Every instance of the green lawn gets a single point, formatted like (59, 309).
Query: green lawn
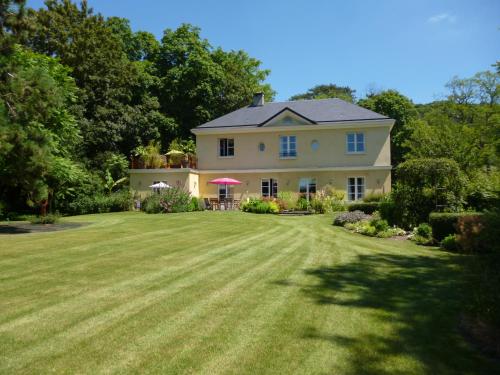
(234, 293)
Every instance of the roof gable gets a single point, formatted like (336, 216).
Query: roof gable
(287, 117)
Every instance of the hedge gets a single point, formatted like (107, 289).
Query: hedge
(479, 233)
(445, 223)
(366, 207)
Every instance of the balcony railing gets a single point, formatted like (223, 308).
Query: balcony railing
(167, 162)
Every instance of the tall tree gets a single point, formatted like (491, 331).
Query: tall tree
(37, 126)
(114, 103)
(200, 83)
(397, 106)
(13, 24)
(465, 128)
(328, 91)
(139, 45)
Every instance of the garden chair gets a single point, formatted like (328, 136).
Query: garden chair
(208, 205)
(228, 203)
(214, 203)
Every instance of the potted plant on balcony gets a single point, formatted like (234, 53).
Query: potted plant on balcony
(180, 152)
(138, 157)
(175, 158)
(149, 156)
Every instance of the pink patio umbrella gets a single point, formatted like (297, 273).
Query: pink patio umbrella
(225, 181)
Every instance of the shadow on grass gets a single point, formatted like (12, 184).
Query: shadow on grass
(416, 299)
(20, 228)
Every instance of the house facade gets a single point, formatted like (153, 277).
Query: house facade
(298, 146)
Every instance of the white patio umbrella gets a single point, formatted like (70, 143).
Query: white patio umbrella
(160, 185)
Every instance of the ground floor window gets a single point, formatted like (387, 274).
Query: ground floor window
(269, 187)
(225, 192)
(355, 188)
(307, 187)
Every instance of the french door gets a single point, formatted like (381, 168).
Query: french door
(307, 187)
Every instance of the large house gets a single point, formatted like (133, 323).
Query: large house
(297, 146)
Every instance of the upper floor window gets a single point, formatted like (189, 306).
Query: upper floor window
(226, 147)
(288, 146)
(355, 142)
(355, 188)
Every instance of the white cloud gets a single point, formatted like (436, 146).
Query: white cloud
(443, 17)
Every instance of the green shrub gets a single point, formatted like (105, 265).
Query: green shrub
(445, 223)
(424, 183)
(259, 206)
(483, 190)
(196, 204)
(302, 204)
(374, 228)
(419, 239)
(318, 205)
(470, 229)
(450, 243)
(366, 207)
(172, 199)
(424, 230)
(201, 204)
(335, 205)
(491, 233)
(373, 197)
(332, 200)
(380, 225)
(368, 230)
(151, 204)
(422, 234)
(47, 219)
(100, 203)
(391, 232)
(287, 200)
(387, 210)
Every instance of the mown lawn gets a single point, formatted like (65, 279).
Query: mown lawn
(230, 293)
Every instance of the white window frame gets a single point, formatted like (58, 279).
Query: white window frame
(272, 186)
(288, 153)
(228, 194)
(310, 181)
(226, 147)
(355, 143)
(358, 195)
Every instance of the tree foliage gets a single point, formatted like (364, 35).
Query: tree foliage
(38, 130)
(117, 110)
(426, 185)
(199, 83)
(398, 107)
(328, 91)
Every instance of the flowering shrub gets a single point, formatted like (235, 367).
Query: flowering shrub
(368, 229)
(259, 206)
(350, 217)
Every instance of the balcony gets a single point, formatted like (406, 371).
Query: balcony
(164, 162)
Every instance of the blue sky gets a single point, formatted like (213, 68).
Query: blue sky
(412, 46)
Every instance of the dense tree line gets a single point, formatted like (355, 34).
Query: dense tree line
(80, 92)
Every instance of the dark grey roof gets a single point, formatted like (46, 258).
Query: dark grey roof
(320, 110)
